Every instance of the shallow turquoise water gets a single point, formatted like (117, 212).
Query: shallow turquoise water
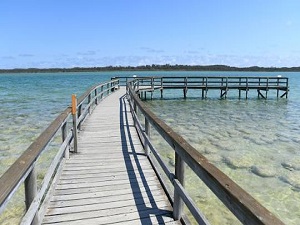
(255, 142)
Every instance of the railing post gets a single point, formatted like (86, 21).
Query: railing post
(112, 88)
(147, 131)
(185, 87)
(30, 185)
(107, 87)
(135, 111)
(74, 105)
(96, 97)
(79, 114)
(267, 88)
(161, 87)
(179, 175)
(287, 87)
(63, 137)
(247, 88)
(101, 96)
(89, 101)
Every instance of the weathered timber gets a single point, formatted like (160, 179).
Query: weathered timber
(23, 170)
(206, 83)
(241, 204)
(110, 170)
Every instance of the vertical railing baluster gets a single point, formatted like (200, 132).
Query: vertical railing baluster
(179, 174)
(96, 96)
(89, 101)
(30, 185)
(247, 88)
(101, 96)
(63, 137)
(147, 131)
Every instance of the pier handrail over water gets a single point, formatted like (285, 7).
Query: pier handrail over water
(205, 83)
(23, 170)
(238, 201)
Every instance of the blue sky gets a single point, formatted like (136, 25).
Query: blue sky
(88, 33)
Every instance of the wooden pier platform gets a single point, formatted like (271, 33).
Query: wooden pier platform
(262, 85)
(109, 180)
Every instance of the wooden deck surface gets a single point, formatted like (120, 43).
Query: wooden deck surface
(109, 180)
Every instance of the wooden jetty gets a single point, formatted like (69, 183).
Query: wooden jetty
(107, 171)
(110, 180)
(262, 85)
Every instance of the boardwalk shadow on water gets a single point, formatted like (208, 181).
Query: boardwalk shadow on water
(140, 186)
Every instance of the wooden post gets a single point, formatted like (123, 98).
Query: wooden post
(277, 88)
(96, 98)
(74, 105)
(112, 88)
(287, 87)
(239, 88)
(101, 96)
(107, 87)
(147, 131)
(185, 87)
(179, 174)
(63, 137)
(152, 83)
(134, 106)
(89, 101)
(161, 88)
(206, 89)
(267, 89)
(79, 114)
(30, 185)
(247, 88)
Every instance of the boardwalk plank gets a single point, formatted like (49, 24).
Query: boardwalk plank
(107, 205)
(106, 199)
(130, 217)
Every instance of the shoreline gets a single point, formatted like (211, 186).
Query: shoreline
(167, 67)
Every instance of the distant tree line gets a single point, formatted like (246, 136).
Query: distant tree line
(154, 67)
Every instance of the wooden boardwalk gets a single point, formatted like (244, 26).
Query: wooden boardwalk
(109, 180)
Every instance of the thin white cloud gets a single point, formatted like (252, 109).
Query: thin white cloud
(26, 55)
(87, 53)
(267, 60)
(151, 50)
(8, 57)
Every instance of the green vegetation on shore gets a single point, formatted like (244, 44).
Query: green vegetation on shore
(155, 67)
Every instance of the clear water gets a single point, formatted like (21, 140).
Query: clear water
(255, 142)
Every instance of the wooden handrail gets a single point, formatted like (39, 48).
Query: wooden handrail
(209, 79)
(14, 176)
(237, 200)
(23, 169)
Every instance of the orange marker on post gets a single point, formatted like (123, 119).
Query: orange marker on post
(74, 104)
(73, 111)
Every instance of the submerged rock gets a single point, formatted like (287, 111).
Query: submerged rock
(263, 171)
(292, 164)
(293, 179)
(238, 161)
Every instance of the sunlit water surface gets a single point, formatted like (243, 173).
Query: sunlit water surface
(255, 142)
